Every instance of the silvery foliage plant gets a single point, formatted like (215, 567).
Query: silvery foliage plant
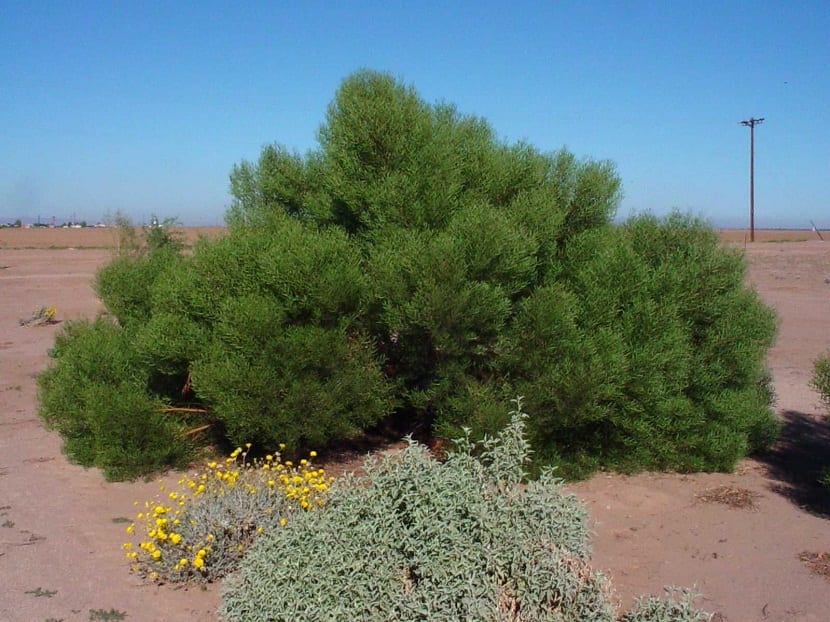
(415, 538)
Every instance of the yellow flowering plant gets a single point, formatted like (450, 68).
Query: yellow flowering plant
(199, 530)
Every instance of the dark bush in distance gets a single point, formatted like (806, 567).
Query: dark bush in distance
(415, 264)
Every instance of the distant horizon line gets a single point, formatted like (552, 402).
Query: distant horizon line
(28, 222)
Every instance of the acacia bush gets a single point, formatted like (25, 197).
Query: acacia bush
(417, 539)
(414, 266)
(96, 395)
(647, 350)
(108, 392)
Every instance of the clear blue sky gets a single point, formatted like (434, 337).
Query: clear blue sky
(144, 107)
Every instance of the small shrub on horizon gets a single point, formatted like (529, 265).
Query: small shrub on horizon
(200, 530)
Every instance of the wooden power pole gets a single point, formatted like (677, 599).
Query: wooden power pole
(751, 123)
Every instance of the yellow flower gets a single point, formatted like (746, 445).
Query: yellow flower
(175, 538)
(198, 562)
(283, 521)
(129, 528)
(156, 554)
(313, 454)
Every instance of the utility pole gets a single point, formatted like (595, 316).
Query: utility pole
(751, 123)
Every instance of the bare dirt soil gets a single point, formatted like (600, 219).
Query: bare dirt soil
(754, 542)
(88, 237)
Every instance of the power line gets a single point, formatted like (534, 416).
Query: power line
(751, 123)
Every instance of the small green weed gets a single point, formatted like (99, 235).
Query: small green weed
(121, 519)
(39, 591)
(101, 615)
(8, 523)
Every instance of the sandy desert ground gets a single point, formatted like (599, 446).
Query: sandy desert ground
(60, 529)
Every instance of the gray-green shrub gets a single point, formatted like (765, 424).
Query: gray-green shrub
(417, 539)
(676, 606)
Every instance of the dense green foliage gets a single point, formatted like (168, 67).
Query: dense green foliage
(416, 266)
(648, 351)
(104, 412)
(418, 539)
(821, 383)
(821, 377)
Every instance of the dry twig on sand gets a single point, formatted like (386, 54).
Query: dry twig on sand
(740, 498)
(818, 563)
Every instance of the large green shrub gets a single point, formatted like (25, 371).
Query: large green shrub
(280, 356)
(415, 266)
(646, 351)
(417, 539)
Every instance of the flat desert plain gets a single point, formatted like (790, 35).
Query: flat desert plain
(737, 537)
